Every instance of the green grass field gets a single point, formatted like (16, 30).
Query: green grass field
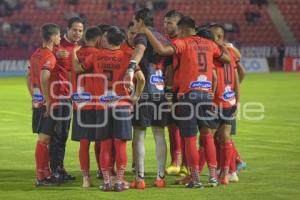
(270, 146)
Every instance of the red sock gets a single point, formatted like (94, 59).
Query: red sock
(210, 153)
(175, 147)
(202, 159)
(113, 161)
(226, 155)
(192, 156)
(84, 157)
(97, 147)
(121, 158)
(183, 155)
(105, 158)
(237, 155)
(218, 151)
(47, 171)
(41, 155)
(232, 166)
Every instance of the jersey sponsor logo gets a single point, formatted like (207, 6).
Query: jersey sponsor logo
(229, 96)
(201, 83)
(37, 97)
(109, 97)
(158, 80)
(81, 97)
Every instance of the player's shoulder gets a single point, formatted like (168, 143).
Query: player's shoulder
(234, 50)
(140, 36)
(44, 53)
(85, 50)
(126, 47)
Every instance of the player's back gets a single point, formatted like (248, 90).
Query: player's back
(82, 54)
(196, 63)
(225, 95)
(109, 70)
(83, 84)
(127, 49)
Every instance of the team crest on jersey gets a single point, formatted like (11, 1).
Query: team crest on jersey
(229, 95)
(109, 97)
(201, 83)
(158, 80)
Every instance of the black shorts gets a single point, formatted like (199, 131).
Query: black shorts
(195, 110)
(41, 124)
(86, 118)
(174, 100)
(114, 123)
(225, 116)
(151, 111)
(62, 115)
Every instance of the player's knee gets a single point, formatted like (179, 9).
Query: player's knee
(43, 138)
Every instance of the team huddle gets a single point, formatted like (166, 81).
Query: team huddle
(115, 84)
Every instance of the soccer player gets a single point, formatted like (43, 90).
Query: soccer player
(151, 108)
(226, 98)
(195, 81)
(62, 92)
(84, 113)
(237, 164)
(113, 106)
(176, 142)
(127, 47)
(97, 147)
(41, 72)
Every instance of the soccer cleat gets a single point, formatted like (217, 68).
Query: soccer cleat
(138, 185)
(233, 177)
(224, 179)
(184, 180)
(47, 182)
(119, 187)
(160, 183)
(192, 184)
(172, 169)
(99, 174)
(183, 171)
(106, 187)
(213, 182)
(62, 175)
(126, 184)
(240, 166)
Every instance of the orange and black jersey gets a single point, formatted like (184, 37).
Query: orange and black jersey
(41, 59)
(196, 65)
(109, 68)
(225, 95)
(82, 84)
